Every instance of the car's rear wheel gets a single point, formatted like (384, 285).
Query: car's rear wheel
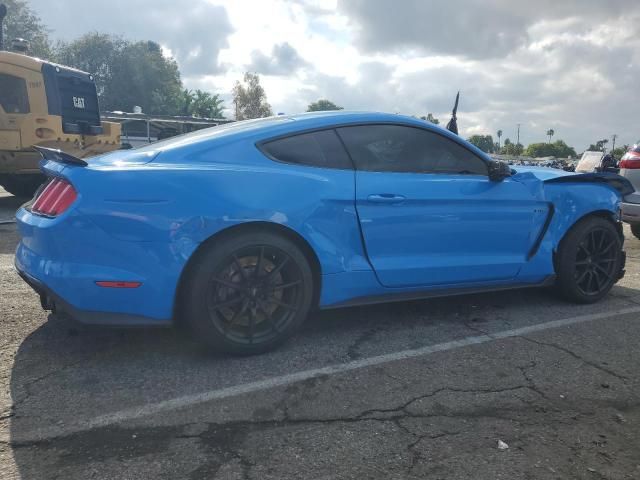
(588, 261)
(635, 229)
(247, 293)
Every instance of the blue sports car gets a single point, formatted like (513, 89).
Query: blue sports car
(240, 230)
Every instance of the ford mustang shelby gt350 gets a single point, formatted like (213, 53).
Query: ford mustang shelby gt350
(240, 230)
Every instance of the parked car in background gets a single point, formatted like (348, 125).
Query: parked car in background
(630, 169)
(241, 229)
(596, 161)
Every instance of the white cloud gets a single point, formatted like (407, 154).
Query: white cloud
(572, 65)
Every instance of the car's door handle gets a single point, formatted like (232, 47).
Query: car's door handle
(386, 198)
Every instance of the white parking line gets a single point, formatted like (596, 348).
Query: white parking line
(280, 381)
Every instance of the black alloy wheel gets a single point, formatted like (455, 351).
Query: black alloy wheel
(588, 262)
(247, 293)
(255, 294)
(595, 262)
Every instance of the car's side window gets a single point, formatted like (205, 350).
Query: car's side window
(321, 149)
(398, 148)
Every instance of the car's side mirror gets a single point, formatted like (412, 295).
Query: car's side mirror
(498, 171)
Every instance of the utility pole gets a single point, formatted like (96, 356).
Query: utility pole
(518, 141)
(3, 13)
(613, 141)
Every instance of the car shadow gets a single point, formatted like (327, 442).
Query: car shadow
(8, 238)
(8, 231)
(63, 372)
(9, 204)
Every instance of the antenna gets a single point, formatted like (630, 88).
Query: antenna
(452, 126)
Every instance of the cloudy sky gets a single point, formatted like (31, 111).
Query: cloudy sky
(570, 65)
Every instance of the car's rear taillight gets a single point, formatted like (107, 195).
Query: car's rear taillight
(631, 160)
(56, 196)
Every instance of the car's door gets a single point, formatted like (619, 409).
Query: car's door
(429, 213)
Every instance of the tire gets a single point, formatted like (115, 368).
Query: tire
(247, 293)
(635, 229)
(589, 260)
(22, 185)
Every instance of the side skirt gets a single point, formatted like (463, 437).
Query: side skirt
(435, 293)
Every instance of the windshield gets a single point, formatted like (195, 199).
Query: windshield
(72, 95)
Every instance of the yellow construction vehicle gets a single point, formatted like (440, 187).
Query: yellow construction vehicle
(47, 105)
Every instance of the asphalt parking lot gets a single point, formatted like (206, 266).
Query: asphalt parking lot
(411, 390)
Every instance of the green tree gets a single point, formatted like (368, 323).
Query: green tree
(127, 73)
(95, 53)
(483, 142)
(323, 105)
(562, 150)
(431, 118)
(537, 150)
(510, 148)
(207, 105)
(558, 149)
(22, 22)
(250, 99)
(550, 133)
(186, 102)
(599, 145)
(618, 152)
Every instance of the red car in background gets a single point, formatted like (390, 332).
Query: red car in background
(630, 168)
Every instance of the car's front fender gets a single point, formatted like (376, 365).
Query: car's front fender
(574, 201)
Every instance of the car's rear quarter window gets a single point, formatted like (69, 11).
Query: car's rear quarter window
(321, 149)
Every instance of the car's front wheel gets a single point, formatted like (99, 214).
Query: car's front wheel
(589, 260)
(247, 293)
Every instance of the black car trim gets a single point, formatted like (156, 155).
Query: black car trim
(59, 156)
(621, 184)
(543, 231)
(435, 293)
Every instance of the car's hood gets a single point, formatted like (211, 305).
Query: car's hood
(542, 173)
(553, 175)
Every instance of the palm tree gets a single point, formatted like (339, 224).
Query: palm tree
(499, 133)
(187, 100)
(550, 134)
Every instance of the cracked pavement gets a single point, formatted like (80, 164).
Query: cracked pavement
(565, 400)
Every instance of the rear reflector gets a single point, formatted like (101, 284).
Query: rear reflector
(55, 198)
(118, 284)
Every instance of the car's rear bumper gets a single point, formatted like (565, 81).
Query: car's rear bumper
(630, 212)
(56, 304)
(63, 259)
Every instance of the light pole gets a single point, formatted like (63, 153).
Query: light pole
(3, 13)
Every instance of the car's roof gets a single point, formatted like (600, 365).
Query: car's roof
(277, 125)
(261, 129)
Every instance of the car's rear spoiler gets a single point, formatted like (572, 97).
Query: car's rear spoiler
(614, 180)
(59, 156)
